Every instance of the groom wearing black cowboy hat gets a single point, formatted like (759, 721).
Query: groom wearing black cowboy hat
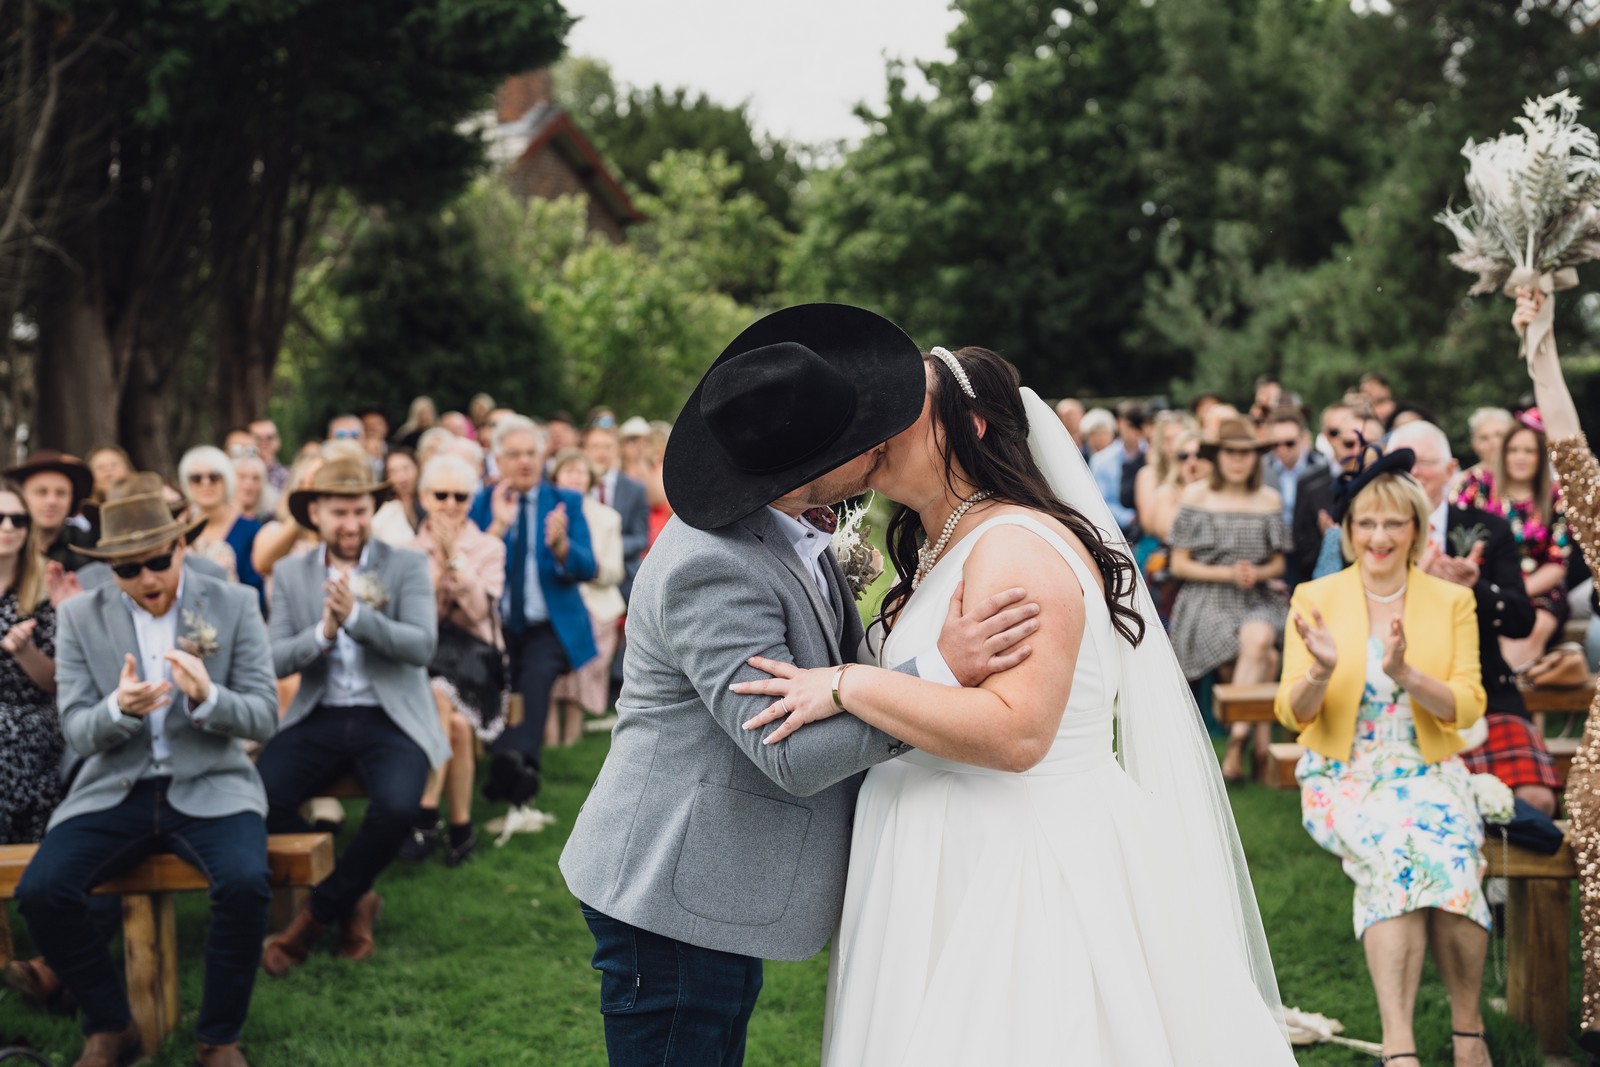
(160, 678)
(700, 850)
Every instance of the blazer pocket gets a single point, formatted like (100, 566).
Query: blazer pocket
(739, 857)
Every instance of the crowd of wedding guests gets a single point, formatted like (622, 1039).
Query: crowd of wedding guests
(273, 603)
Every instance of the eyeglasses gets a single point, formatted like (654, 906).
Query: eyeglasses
(1286, 444)
(1389, 526)
(459, 498)
(157, 565)
(19, 520)
(199, 477)
(346, 435)
(1184, 457)
(241, 451)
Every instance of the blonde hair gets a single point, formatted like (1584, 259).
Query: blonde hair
(1166, 468)
(1395, 491)
(569, 456)
(31, 588)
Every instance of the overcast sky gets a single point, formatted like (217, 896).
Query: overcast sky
(801, 66)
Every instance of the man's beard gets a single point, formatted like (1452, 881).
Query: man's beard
(336, 551)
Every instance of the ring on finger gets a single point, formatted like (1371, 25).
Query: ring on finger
(783, 702)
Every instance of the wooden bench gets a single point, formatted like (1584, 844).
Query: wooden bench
(1233, 702)
(149, 928)
(1538, 922)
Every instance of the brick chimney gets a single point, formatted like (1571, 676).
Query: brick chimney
(521, 93)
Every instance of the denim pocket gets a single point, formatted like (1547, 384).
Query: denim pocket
(616, 957)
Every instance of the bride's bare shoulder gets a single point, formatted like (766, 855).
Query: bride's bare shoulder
(1020, 551)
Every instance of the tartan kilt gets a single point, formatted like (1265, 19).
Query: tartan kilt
(1514, 753)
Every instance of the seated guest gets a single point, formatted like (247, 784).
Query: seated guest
(1488, 427)
(30, 732)
(1293, 465)
(1158, 510)
(1227, 544)
(588, 689)
(397, 520)
(160, 677)
(1519, 486)
(1476, 550)
(227, 536)
(107, 463)
(468, 569)
(54, 486)
(356, 620)
(548, 633)
(1380, 676)
(253, 496)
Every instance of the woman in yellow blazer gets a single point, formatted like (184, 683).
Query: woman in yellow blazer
(1380, 676)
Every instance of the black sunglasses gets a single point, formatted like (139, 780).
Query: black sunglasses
(19, 520)
(459, 498)
(204, 476)
(1184, 457)
(156, 566)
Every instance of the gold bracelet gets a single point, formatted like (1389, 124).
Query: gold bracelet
(838, 676)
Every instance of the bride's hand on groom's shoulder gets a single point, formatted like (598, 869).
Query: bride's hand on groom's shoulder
(800, 696)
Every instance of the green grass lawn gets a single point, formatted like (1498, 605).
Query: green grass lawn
(489, 964)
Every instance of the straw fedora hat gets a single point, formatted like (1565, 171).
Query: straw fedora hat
(134, 518)
(1237, 433)
(339, 477)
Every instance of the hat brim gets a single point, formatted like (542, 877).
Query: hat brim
(80, 476)
(1209, 449)
(300, 500)
(154, 539)
(705, 488)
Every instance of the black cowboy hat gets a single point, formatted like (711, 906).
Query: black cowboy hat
(49, 460)
(798, 393)
(1366, 465)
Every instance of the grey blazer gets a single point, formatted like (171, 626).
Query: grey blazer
(211, 775)
(397, 639)
(694, 829)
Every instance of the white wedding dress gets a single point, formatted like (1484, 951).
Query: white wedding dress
(1036, 918)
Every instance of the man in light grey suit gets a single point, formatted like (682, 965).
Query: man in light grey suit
(356, 620)
(159, 677)
(700, 850)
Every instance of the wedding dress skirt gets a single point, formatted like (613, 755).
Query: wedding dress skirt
(1019, 919)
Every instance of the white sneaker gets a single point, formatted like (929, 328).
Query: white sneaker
(518, 820)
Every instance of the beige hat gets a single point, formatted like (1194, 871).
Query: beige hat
(340, 477)
(135, 518)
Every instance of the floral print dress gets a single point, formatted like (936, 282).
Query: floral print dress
(1409, 832)
(30, 736)
(1538, 542)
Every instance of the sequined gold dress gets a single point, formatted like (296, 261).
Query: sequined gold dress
(1580, 483)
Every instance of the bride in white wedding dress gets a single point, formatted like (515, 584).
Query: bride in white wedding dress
(1073, 891)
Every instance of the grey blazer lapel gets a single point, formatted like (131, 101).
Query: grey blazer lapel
(119, 627)
(766, 531)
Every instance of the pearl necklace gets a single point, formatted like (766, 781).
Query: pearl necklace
(927, 556)
(1389, 599)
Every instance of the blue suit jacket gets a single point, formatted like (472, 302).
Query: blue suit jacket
(557, 581)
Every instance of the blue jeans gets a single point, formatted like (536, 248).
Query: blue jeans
(667, 1003)
(316, 751)
(84, 851)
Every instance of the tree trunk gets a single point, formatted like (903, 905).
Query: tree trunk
(77, 370)
(146, 415)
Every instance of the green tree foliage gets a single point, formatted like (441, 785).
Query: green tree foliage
(635, 128)
(195, 152)
(1124, 194)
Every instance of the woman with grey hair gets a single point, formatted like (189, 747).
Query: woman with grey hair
(206, 476)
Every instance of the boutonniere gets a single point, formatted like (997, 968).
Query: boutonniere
(199, 636)
(1463, 538)
(861, 562)
(370, 591)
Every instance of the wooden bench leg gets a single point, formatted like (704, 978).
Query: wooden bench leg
(286, 901)
(1538, 919)
(6, 947)
(150, 953)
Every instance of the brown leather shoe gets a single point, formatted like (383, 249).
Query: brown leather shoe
(288, 950)
(116, 1049)
(219, 1055)
(355, 942)
(38, 985)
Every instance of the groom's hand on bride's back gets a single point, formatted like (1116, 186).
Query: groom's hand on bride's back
(988, 637)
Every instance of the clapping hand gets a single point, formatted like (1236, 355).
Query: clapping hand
(1462, 570)
(62, 583)
(19, 638)
(803, 696)
(336, 605)
(503, 507)
(1394, 652)
(555, 531)
(1318, 640)
(189, 675)
(138, 698)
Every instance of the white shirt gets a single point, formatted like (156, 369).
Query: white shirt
(348, 684)
(156, 636)
(1436, 526)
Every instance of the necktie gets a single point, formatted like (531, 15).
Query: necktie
(602, 490)
(517, 570)
(822, 518)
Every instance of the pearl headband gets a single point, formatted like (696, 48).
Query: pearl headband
(945, 356)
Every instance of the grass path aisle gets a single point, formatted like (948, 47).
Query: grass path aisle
(489, 964)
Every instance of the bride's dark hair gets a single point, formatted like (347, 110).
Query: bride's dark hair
(1001, 463)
